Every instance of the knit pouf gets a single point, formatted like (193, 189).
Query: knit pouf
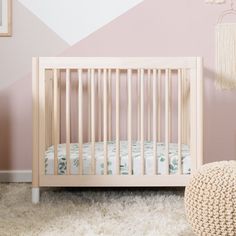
(210, 199)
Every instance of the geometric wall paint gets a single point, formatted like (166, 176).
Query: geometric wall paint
(30, 37)
(73, 20)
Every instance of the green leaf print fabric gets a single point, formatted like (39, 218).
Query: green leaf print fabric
(148, 154)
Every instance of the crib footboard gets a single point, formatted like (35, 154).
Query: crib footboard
(116, 121)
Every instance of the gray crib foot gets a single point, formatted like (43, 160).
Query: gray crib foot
(35, 195)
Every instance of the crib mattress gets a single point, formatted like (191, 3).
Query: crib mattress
(99, 156)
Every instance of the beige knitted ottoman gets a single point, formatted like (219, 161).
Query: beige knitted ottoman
(210, 199)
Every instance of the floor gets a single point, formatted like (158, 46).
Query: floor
(81, 211)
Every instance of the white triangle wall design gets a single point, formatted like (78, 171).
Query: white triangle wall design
(73, 20)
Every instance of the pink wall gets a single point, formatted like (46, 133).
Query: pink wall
(153, 28)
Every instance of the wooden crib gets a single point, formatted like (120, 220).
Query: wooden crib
(116, 121)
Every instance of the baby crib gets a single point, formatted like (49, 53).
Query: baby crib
(116, 121)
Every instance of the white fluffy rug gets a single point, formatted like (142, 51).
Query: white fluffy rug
(92, 212)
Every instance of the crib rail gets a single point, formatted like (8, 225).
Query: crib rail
(147, 96)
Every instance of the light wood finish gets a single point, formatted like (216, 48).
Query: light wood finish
(167, 120)
(47, 123)
(35, 95)
(188, 110)
(194, 68)
(142, 121)
(9, 20)
(154, 120)
(55, 120)
(149, 104)
(59, 106)
(93, 166)
(49, 103)
(193, 119)
(117, 122)
(170, 105)
(129, 123)
(80, 115)
(99, 106)
(179, 121)
(97, 102)
(105, 120)
(89, 103)
(184, 110)
(109, 104)
(183, 89)
(123, 63)
(159, 106)
(68, 121)
(138, 103)
(200, 97)
(49, 108)
(114, 181)
(186, 106)
(42, 121)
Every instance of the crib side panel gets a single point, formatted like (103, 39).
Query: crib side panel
(102, 101)
(35, 96)
(200, 108)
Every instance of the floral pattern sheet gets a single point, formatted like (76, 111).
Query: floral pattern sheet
(99, 156)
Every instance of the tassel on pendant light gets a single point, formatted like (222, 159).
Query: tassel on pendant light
(226, 55)
(225, 34)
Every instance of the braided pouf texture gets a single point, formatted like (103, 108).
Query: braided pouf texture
(210, 199)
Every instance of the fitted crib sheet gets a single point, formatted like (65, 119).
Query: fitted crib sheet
(124, 167)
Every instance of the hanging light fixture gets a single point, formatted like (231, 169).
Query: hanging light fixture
(225, 33)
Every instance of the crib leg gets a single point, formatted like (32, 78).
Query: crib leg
(35, 195)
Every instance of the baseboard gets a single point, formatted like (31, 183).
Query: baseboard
(15, 176)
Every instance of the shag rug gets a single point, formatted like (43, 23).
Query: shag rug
(80, 211)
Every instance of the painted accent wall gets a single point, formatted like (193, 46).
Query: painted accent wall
(149, 28)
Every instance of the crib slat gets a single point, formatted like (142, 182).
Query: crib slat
(68, 120)
(89, 104)
(183, 106)
(187, 100)
(167, 120)
(142, 121)
(96, 104)
(170, 106)
(105, 119)
(192, 117)
(59, 106)
(149, 103)
(138, 103)
(130, 121)
(159, 106)
(80, 115)
(184, 88)
(117, 122)
(154, 120)
(99, 107)
(42, 120)
(109, 105)
(36, 120)
(179, 121)
(55, 118)
(50, 106)
(93, 166)
(49, 109)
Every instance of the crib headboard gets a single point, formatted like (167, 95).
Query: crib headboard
(99, 99)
